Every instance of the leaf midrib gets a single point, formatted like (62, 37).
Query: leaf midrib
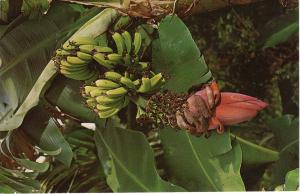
(130, 174)
(200, 163)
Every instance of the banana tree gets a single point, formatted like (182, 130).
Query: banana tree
(121, 92)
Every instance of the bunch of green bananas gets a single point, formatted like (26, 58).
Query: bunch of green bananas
(75, 55)
(109, 95)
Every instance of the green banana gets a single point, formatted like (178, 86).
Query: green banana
(84, 56)
(106, 100)
(121, 91)
(106, 84)
(62, 52)
(122, 22)
(67, 46)
(114, 57)
(126, 101)
(72, 69)
(88, 89)
(108, 113)
(70, 65)
(136, 82)
(78, 75)
(155, 80)
(127, 82)
(94, 77)
(127, 40)
(145, 86)
(103, 49)
(87, 48)
(143, 65)
(84, 41)
(137, 42)
(111, 75)
(76, 60)
(100, 58)
(117, 104)
(119, 42)
(97, 92)
(127, 59)
(91, 102)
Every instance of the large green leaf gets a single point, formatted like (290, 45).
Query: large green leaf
(176, 54)
(286, 130)
(280, 29)
(128, 161)
(94, 27)
(202, 164)
(292, 180)
(47, 136)
(23, 55)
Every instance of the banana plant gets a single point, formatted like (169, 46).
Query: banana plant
(122, 72)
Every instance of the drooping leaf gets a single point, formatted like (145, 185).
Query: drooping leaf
(13, 181)
(23, 55)
(286, 130)
(128, 161)
(47, 136)
(280, 29)
(90, 28)
(292, 180)
(65, 93)
(176, 54)
(200, 164)
(252, 152)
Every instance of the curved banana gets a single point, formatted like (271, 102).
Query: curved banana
(145, 86)
(87, 48)
(127, 82)
(88, 89)
(114, 57)
(106, 100)
(121, 91)
(111, 75)
(119, 42)
(78, 75)
(127, 40)
(108, 113)
(75, 60)
(106, 84)
(64, 63)
(84, 40)
(103, 49)
(84, 56)
(100, 58)
(62, 52)
(155, 80)
(91, 102)
(137, 42)
(67, 46)
(121, 23)
(97, 92)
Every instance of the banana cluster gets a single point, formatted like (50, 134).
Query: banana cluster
(109, 95)
(74, 56)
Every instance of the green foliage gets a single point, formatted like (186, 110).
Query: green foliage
(202, 164)
(280, 29)
(286, 130)
(128, 161)
(292, 180)
(177, 55)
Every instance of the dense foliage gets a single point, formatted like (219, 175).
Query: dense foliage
(54, 137)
